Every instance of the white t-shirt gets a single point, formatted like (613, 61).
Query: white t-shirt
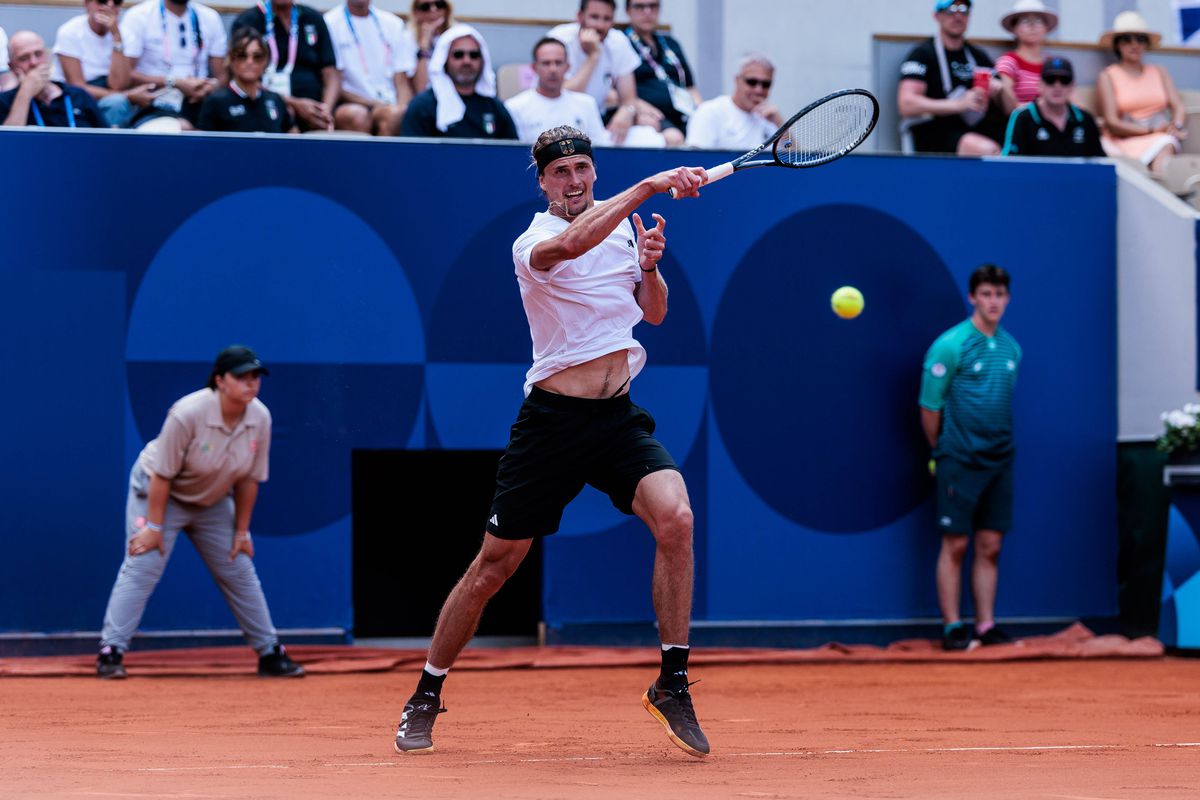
(617, 58)
(3, 51)
(718, 124)
(152, 34)
(76, 39)
(583, 308)
(535, 113)
(370, 51)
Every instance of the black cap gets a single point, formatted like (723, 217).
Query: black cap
(1058, 67)
(239, 360)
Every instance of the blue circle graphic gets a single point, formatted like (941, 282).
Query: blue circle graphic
(835, 400)
(321, 297)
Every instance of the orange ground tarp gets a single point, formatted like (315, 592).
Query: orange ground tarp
(1075, 641)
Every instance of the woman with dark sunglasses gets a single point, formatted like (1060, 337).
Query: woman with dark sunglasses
(244, 105)
(1144, 116)
(428, 20)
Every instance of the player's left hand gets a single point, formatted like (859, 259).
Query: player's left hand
(651, 243)
(242, 543)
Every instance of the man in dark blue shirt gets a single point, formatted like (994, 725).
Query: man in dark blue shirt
(39, 101)
(460, 102)
(1052, 125)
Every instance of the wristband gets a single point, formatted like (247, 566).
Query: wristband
(242, 536)
(652, 269)
(154, 526)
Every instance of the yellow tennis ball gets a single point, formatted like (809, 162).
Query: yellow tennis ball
(847, 302)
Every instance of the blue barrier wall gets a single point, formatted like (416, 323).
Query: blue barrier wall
(375, 278)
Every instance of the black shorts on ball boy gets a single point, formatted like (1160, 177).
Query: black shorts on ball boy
(560, 443)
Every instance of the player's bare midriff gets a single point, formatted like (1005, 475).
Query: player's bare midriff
(606, 376)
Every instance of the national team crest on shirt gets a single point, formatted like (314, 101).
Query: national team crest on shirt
(566, 147)
(272, 111)
(310, 35)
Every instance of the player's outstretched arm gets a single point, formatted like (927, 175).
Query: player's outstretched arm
(592, 226)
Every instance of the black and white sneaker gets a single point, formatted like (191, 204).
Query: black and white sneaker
(108, 663)
(673, 708)
(277, 664)
(415, 734)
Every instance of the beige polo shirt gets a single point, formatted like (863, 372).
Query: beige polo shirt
(201, 457)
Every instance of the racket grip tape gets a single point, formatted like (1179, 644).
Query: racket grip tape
(715, 174)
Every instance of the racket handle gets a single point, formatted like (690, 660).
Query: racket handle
(715, 174)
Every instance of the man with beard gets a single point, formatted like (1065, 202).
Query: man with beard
(460, 102)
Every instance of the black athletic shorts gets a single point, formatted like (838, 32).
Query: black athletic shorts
(557, 445)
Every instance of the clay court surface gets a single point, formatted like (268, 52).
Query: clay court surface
(1071, 730)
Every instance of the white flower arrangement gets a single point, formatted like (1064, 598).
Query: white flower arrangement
(1180, 429)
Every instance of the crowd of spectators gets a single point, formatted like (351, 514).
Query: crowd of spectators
(952, 99)
(170, 64)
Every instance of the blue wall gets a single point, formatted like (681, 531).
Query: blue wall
(375, 278)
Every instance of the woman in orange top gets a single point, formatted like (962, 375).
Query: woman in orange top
(1144, 117)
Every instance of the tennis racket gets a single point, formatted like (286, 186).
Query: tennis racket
(821, 132)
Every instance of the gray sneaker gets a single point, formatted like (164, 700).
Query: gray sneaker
(415, 734)
(108, 663)
(675, 711)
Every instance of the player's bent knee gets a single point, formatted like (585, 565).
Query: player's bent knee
(674, 529)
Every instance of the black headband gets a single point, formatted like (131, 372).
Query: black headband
(561, 149)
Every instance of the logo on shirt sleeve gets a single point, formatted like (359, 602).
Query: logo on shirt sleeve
(912, 69)
(938, 370)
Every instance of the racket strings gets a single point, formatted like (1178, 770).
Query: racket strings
(827, 132)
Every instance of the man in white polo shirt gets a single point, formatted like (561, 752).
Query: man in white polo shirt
(743, 120)
(548, 104)
(602, 59)
(83, 51)
(376, 58)
(177, 47)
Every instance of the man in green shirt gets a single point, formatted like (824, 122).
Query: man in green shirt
(966, 411)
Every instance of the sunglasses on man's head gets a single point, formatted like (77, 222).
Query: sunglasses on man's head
(754, 83)
(957, 8)
(440, 5)
(1126, 38)
(1052, 80)
(474, 55)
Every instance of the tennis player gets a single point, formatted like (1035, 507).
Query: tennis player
(586, 279)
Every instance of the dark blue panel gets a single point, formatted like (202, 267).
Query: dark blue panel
(63, 446)
(357, 267)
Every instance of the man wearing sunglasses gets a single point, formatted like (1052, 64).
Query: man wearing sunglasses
(1052, 125)
(174, 47)
(743, 120)
(460, 102)
(38, 100)
(83, 48)
(7, 79)
(941, 106)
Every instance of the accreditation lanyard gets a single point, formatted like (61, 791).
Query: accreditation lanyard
(362, 54)
(37, 114)
(667, 53)
(293, 37)
(199, 38)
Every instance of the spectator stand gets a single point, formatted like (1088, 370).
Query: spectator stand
(889, 50)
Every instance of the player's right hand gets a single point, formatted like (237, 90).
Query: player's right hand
(681, 182)
(146, 540)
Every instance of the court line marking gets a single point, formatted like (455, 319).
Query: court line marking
(765, 754)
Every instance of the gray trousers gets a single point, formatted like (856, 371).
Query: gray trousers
(211, 531)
